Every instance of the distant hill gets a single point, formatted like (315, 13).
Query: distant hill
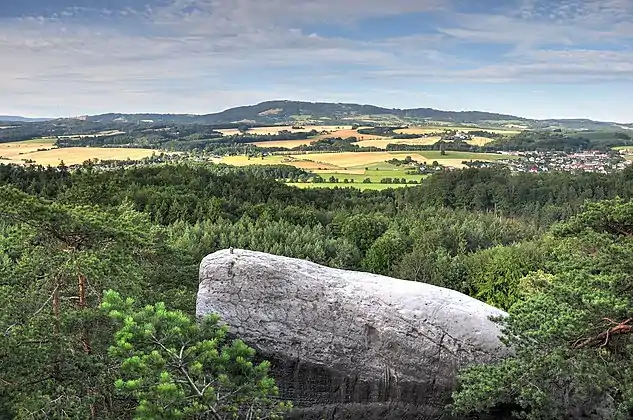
(13, 118)
(272, 112)
(296, 112)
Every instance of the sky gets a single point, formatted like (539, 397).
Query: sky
(531, 58)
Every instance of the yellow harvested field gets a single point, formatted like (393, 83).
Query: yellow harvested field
(456, 163)
(349, 133)
(351, 159)
(77, 155)
(288, 144)
(15, 152)
(479, 141)
(420, 130)
(310, 164)
(298, 162)
(244, 160)
(382, 144)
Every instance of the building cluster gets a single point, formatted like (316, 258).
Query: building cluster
(589, 161)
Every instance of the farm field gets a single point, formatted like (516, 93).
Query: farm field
(355, 161)
(627, 149)
(77, 155)
(275, 129)
(437, 155)
(15, 152)
(374, 175)
(382, 143)
(373, 141)
(101, 134)
(479, 141)
(359, 186)
(351, 133)
(433, 129)
(288, 144)
(298, 162)
(349, 159)
(366, 139)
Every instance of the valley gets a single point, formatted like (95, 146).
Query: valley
(171, 210)
(361, 156)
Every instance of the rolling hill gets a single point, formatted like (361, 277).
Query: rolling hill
(274, 112)
(289, 112)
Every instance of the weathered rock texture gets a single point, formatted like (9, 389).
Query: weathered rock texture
(343, 337)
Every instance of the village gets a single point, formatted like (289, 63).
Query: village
(536, 162)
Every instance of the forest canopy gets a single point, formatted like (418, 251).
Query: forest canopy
(96, 265)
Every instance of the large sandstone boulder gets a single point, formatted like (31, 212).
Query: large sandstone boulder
(344, 337)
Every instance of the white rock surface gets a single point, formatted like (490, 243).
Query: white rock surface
(378, 338)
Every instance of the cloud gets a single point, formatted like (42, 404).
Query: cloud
(65, 56)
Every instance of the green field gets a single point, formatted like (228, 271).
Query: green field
(357, 166)
(374, 175)
(356, 185)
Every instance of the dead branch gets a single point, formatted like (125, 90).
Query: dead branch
(603, 338)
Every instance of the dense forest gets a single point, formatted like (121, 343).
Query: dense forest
(99, 276)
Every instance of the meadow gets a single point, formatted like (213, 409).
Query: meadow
(18, 152)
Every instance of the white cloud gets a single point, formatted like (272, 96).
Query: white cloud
(202, 55)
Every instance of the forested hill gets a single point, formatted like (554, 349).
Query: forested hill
(287, 111)
(275, 112)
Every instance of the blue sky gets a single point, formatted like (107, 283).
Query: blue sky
(532, 58)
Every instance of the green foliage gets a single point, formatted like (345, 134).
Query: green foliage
(558, 141)
(55, 260)
(495, 274)
(571, 332)
(363, 229)
(176, 368)
(144, 230)
(385, 252)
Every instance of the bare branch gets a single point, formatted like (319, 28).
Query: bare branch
(620, 328)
